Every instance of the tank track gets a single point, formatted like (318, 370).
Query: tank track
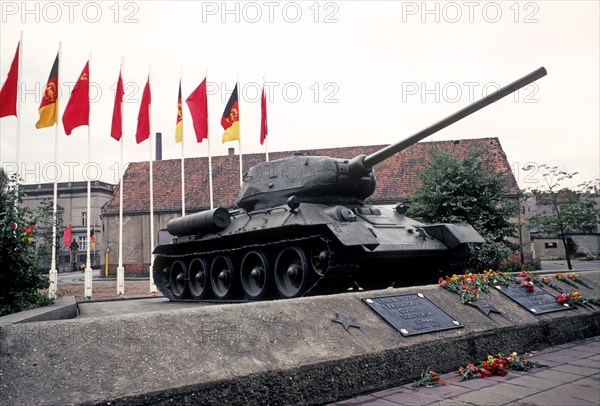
(337, 277)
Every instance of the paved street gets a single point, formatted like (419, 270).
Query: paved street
(577, 265)
(571, 379)
(75, 277)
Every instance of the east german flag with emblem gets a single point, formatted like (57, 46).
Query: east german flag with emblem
(47, 110)
(231, 118)
(179, 123)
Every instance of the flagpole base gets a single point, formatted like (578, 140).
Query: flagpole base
(88, 282)
(152, 285)
(120, 280)
(53, 277)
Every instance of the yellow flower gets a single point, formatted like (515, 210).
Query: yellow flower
(514, 354)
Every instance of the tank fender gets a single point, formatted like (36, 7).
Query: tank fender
(452, 235)
(351, 234)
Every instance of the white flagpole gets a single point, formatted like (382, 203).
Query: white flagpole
(152, 285)
(53, 274)
(120, 268)
(237, 83)
(210, 185)
(19, 81)
(266, 135)
(88, 265)
(182, 151)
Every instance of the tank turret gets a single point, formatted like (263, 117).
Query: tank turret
(303, 227)
(344, 181)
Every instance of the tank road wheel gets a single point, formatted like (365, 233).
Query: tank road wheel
(199, 282)
(222, 277)
(254, 274)
(291, 273)
(177, 279)
(319, 258)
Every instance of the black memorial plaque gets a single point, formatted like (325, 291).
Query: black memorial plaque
(537, 302)
(412, 314)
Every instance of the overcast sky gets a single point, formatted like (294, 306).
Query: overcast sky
(339, 73)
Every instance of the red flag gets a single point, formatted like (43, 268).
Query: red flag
(198, 105)
(67, 236)
(264, 129)
(143, 126)
(8, 93)
(77, 112)
(116, 129)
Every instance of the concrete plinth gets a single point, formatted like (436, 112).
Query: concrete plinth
(279, 352)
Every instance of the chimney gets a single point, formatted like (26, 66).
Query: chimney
(158, 147)
(231, 151)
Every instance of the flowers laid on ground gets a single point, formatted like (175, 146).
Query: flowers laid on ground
(572, 279)
(498, 365)
(546, 280)
(575, 298)
(429, 379)
(469, 285)
(526, 279)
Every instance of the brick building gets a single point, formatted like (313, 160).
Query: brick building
(396, 181)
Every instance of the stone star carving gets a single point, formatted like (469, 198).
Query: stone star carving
(346, 322)
(484, 306)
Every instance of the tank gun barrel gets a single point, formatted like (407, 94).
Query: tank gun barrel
(362, 164)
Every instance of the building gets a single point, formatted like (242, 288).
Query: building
(396, 177)
(72, 209)
(545, 246)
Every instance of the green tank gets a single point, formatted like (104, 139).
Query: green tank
(302, 227)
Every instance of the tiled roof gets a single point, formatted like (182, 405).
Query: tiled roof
(396, 177)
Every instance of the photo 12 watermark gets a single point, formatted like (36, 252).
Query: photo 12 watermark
(462, 92)
(53, 12)
(452, 12)
(253, 12)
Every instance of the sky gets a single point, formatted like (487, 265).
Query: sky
(337, 73)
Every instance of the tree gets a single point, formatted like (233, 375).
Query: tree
(455, 190)
(19, 279)
(572, 210)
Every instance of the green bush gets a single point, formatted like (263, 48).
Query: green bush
(19, 280)
(464, 190)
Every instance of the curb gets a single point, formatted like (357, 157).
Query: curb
(64, 308)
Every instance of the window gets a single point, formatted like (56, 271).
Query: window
(82, 243)
(83, 218)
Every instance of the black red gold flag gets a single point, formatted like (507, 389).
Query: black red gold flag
(179, 122)
(231, 118)
(47, 110)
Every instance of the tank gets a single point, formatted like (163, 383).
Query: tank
(302, 227)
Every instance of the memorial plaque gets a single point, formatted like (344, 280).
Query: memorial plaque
(412, 314)
(537, 302)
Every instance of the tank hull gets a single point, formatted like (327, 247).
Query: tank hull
(314, 249)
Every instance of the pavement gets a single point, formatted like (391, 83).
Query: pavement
(572, 378)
